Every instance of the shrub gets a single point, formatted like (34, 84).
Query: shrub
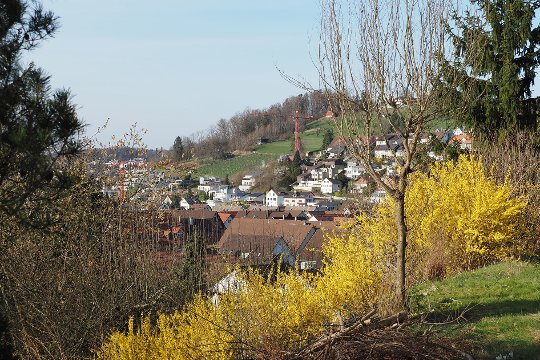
(457, 218)
(350, 290)
(261, 320)
(460, 210)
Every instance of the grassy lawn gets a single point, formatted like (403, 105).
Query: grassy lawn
(231, 167)
(309, 138)
(500, 305)
(322, 123)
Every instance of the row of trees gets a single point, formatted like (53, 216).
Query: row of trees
(245, 129)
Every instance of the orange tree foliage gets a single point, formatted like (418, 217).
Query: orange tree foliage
(457, 218)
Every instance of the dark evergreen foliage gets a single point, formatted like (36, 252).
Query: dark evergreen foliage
(293, 169)
(39, 128)
(178, 149)
(327, 138)
(497, 50)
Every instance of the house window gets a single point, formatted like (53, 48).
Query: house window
(306, 265)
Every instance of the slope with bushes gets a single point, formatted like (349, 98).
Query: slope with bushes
(273, 318)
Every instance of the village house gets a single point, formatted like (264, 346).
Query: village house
(325, 170)
(261, 242)
(248, 182)
(361, 184)
(327, 206)
(225, 218)
(297, 198)
(166, 203)
(310, 256)
(224, 193)
(177, 225)
(464, 140)
(388, 146)
(274, 198)
(377, 196)
(304, 182)
(207, 185)
(307, 185)
(354, 169)
(336, 152)
(188, 202)
(330, 186)
(253, 198)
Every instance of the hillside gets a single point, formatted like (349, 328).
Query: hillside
(262, 154)
(494, 310)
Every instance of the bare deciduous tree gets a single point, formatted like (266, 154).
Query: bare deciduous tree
(381, 61)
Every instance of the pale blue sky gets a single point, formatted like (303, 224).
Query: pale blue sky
(177, 67)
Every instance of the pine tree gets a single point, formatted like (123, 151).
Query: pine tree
(497, 48)
(327, 138)
(294, 168)
(178, 149)
(39, 128)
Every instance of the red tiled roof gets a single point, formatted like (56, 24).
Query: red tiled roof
(462, 138)
(224, 216)
(255, 230)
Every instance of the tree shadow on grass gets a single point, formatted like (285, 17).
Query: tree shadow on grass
(493, 342)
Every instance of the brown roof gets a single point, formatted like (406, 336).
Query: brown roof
(462, 138)
(195, 214)
(279, 214)
(259, 247)
(200, 207)
(294, 233)
(254, 214)
(296, 213)
(224, 216)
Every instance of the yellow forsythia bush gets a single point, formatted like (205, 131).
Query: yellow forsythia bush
(462, 212)
(354, 269)
(261, 320)
(198, 332)
(264, 318)
(457, 218)
(272, 316)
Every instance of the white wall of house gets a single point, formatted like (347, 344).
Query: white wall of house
(377, 196)
(328, 186)
(274, 199)
(295, 201)
(354, 170)
(248, 182)
(185, 204)
(209, 180)
(307, 185)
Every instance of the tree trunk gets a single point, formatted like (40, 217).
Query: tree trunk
(401, 246)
